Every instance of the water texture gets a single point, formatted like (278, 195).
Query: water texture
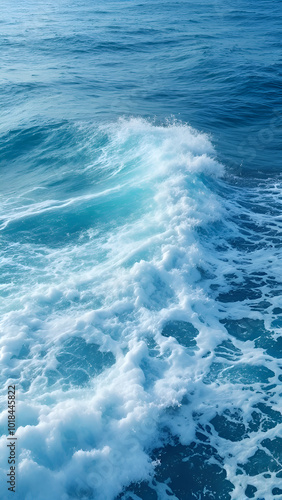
(140, 249)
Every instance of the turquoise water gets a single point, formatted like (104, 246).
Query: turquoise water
(140, 249)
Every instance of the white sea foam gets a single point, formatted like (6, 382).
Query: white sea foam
(89, 419)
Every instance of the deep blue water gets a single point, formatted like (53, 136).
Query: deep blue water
(140, 248)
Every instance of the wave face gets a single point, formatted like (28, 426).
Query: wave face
(140, 315)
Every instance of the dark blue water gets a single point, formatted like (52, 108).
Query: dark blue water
(140, 248)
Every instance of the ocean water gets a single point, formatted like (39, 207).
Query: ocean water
(140, 249)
